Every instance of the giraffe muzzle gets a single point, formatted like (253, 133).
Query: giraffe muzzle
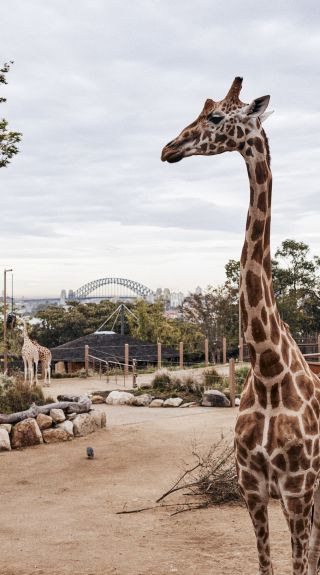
(171, 154)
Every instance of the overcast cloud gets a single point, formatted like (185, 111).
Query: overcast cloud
(99, 86)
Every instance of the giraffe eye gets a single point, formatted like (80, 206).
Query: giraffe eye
(215, 118)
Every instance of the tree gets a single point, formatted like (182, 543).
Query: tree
(8, 139)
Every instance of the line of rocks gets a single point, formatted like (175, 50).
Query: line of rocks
(210, 398)
(53, 428)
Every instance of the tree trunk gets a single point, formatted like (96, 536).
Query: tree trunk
(81, 406)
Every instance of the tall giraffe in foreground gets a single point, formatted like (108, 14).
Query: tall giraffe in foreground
(277, 430)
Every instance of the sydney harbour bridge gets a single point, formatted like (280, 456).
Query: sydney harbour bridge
(111, 288)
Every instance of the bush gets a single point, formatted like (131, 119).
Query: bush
(15, 395)
(212, 378)
(241, 376)
(161, 381)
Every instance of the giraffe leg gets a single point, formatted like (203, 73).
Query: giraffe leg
(25, 364)
(298, 515)
(314, 545)
(259, 517)
(36, 372)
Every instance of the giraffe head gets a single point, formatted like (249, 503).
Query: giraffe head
(224, 126)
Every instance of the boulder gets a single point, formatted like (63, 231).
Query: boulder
(4, 440)
(156, 403)
(55, 435)
(26, 433)
(71, 416)
(190, 404)
(120, 398)
(143, 400)
(98, 399)
(44, 421)
(214, 398)
(173, 402)
(66, 426)
(99, 418)
(57, 415)
(84, 424)
(6, 426)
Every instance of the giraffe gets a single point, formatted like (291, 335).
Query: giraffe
(30, 356)
(277, 428)
(45, 356)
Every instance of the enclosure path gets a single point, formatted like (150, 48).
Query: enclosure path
(59, 510)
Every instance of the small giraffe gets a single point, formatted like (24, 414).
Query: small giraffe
(30, 356)
(277, 430)
(45, 356)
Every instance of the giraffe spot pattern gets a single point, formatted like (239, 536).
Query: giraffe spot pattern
(254, 289)
(261, 172)
(270, 364)
(258, 331)
(249, 429)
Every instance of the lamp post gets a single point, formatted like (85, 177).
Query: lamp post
(5, 349)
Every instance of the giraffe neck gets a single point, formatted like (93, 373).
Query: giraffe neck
(262, 325)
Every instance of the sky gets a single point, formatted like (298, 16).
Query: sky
(98, 87)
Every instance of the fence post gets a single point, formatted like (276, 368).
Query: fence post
(241, 349)
(126, 359)
(232, 382)
(206, 352)
(159, 355)
(86, 358)
(319, 343)
(224, 350)
(181, 354)
(134, 373)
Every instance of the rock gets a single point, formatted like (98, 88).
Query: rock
(99, 418)
(4, 440)
(26, 433)
(57, 415)
(120, 398)
(6, 426)
(143, 400)
(72, 398)
(237, 401)
(173, 402)
(44, 421)
(98, 399)
(71, 416)
(156, 403)
(190, 404)
(55, 435)
(84, 424)
(214, 398)
(103, 419)
(66, 426)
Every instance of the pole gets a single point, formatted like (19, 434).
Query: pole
(159, 354)
(241, 349)
(122, 319)
(224, 350)
(181, 354)
(126, 359)
(206, 352)
(86, 358)
(5, 348)
(232, 382)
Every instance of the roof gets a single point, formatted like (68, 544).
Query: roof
(110, 347)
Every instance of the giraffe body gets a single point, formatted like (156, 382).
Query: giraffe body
(30, 356)
(277, 430)
(45, 357)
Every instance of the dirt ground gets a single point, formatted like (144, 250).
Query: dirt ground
(59, 509)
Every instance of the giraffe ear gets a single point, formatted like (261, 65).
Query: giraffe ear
(257, 107)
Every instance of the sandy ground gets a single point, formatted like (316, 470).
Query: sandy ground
(59, 509)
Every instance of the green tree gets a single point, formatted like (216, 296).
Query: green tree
(8, 139)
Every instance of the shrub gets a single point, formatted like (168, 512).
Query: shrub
(241, 375)
(212, 378)
(15, 395)
(162, 380)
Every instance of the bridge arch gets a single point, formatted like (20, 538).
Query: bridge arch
(138, 288)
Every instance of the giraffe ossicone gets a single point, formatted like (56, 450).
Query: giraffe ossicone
(277, 429)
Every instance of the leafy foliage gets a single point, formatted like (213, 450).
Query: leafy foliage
(16, 396)
(8, 139)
